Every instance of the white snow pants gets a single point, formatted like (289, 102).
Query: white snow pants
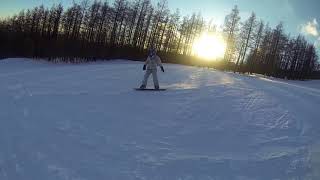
(154, 75)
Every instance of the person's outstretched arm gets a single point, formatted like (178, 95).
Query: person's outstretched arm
(160, 64)
(145, 64)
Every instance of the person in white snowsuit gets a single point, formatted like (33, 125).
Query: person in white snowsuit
(150, 66)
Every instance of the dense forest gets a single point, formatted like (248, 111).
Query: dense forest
(89, 31)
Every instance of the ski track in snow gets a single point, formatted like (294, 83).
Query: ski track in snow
(85, 122)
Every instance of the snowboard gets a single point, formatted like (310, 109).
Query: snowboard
(138, 89)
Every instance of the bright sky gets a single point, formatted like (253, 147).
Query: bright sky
(299, 16)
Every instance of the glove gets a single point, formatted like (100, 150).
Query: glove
(162, 69)
(144, 67)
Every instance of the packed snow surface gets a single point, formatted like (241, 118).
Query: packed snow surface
(85, 122)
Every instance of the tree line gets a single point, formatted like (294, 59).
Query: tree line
(88, 31)
(255, 47)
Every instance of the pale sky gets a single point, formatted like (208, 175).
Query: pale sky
(299, 16)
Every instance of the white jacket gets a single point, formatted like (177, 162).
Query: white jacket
(153, 62)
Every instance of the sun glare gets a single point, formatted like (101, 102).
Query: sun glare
(210, 46)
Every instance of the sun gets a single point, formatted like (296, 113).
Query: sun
(210, 46)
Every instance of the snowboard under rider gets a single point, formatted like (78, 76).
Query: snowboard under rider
(150, 66)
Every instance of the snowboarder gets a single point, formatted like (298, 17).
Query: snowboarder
(150, 66)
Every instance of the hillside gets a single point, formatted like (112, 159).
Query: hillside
(85, 122)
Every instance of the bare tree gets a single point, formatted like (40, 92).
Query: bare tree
(230, 28)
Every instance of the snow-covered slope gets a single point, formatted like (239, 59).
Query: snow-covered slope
(85, 122)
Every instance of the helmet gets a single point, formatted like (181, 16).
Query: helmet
(152, 52)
